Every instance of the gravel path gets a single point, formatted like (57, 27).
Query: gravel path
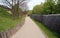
(29, 30)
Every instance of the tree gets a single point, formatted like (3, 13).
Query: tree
(29, 12)
(38, 9)
(11, 4)
(14, 5)
(58, 6)
(49, 6)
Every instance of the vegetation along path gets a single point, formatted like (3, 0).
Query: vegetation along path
(29, 30)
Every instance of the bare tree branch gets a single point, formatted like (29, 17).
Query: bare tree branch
(8, 2)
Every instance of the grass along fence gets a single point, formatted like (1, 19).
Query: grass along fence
(50, 21)
(8, 33)
(50, 24)
(46, 30)
(8, 26)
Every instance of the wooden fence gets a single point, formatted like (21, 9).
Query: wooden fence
(51, 21)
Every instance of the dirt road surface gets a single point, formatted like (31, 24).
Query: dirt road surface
(29, 30)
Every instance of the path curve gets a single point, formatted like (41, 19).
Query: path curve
(29, 30)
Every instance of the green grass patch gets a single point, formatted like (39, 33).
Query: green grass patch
(46, 30)
(6, 21)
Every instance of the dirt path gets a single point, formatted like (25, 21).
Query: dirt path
(29, 30)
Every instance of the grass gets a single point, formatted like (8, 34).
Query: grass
(6, 21)
(46, 30)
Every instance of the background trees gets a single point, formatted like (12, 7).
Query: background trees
(14, 6)
(48, 7)
(38, 9)
(58, 6)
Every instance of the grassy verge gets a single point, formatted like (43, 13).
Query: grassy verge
(46, 30)
(6, 21)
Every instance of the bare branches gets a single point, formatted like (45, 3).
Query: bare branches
(8, 3)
